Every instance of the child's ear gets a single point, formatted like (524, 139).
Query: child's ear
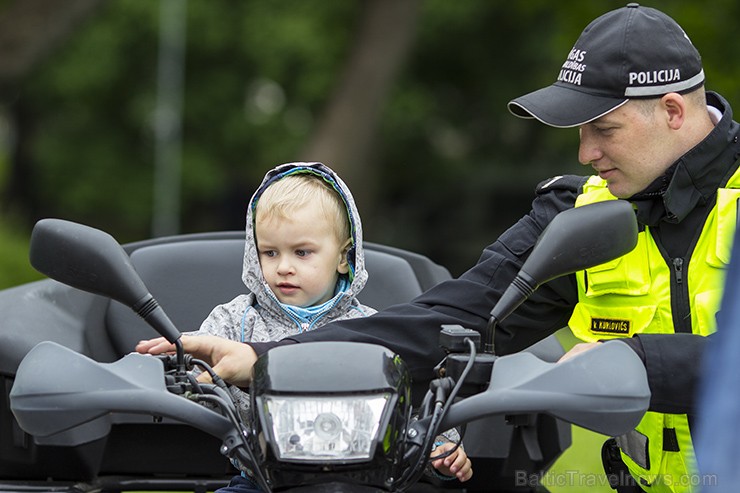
(343, 267)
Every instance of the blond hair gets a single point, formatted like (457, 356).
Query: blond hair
(287, 195)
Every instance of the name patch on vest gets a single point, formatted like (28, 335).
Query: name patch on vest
(610, 326)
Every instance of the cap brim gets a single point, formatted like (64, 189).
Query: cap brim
(563, 107)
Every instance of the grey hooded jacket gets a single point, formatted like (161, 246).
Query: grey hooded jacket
(258, 316)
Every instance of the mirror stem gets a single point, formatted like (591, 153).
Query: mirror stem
(519, 290)
(488, 337)
(180, 355)
(148, 309)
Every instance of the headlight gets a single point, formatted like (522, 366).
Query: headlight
(309, 428)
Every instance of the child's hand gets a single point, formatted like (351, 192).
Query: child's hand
(456, 464)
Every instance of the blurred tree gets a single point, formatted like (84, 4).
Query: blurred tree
(345, 133)
(270, 82)
(32, 29)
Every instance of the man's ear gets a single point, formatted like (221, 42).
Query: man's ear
(674, 106)
(343, 267)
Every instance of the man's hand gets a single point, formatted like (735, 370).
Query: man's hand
(578, 349)
(155, 346)
(231, 360)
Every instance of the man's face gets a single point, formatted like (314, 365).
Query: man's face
(629, 147)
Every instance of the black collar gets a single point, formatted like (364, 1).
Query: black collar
(696, 176)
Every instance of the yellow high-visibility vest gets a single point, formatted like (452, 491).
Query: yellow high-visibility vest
(632, 295)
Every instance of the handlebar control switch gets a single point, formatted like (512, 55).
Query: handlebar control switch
(452, 338)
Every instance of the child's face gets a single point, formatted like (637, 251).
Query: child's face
(301, 257)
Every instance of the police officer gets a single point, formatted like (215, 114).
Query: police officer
(633, 86)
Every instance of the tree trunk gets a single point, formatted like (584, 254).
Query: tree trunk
(344, 136)
(29, 31)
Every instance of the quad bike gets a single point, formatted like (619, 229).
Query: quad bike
(349, 424)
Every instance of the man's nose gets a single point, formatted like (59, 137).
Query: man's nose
(588, 151)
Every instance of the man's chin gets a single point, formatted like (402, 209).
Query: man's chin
(618, 191)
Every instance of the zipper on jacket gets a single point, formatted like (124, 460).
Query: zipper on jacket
(304, 326)
(339, 298)
(301, 325)
(678, 267)
(680, 301)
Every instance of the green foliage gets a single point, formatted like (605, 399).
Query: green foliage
(14, 266)
(257, 74)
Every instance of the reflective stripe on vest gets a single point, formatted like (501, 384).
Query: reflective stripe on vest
(631, 295)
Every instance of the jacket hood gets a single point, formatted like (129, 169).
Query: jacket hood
(252, 274)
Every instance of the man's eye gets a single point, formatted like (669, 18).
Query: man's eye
(604, 130)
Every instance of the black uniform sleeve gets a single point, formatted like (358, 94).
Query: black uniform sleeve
(673, 363)
(673, 383)
(412, 329)
(262, 347)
